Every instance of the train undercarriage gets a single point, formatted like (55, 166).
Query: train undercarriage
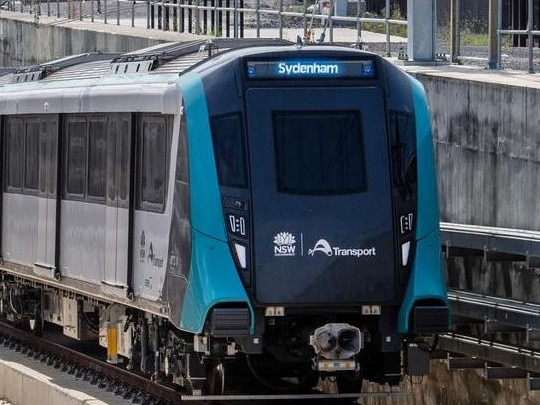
(301, 353)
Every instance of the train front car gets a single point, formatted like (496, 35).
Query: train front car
(315, 241)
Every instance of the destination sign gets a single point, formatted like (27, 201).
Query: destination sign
(310, 69)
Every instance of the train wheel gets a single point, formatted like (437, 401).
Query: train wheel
(349, 382)
(215, 379)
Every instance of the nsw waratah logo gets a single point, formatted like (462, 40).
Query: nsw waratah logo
(284, 244)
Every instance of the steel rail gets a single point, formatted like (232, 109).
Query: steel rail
(114, 372)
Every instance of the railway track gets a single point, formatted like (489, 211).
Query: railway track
(128, 384)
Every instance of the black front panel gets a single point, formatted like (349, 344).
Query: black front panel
(321, 203)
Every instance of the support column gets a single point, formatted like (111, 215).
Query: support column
(421, 30)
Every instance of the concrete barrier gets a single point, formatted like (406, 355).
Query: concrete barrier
(23, 42)
(26, 381)
(487, 138)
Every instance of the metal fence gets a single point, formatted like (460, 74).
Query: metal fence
(506, 42)
(319, 21)
(226, 18)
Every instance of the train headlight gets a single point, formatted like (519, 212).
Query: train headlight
(337, 341)
(241, 254)
(405, 250)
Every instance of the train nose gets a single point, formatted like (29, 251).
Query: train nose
(337, 341)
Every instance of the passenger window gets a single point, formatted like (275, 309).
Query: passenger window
(111, 160)
(14, 154)
(182, 155)
(48, 148)
(119, 158)
(124, 157)
(76, 158)
(31, 159)
(153, 163)
(97, 158)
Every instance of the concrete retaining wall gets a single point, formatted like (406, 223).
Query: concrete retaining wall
(488, 150)
(23, 42)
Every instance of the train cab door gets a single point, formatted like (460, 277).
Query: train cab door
(322, 210)
(47, 207)
(119, 150)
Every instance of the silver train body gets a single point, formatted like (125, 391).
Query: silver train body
(123, 219)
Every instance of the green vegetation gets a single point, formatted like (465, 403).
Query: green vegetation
(395, 29)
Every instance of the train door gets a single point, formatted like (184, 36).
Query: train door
(322, 213)
(118, 200)
(47, 202)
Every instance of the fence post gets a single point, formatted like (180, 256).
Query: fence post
(241, 19)
(492, 28)
(227, 19)
(530, 35)
(499, 39)
(160, 16)
(280, 20)
(258, 17)
(388, 15)
(182, 16)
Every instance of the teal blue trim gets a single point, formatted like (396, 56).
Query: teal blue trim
(206, 211)
(213, 280)
(427, 279)
(428, 203)
(213, 276)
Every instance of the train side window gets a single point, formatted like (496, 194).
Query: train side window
(14, 154)
(402, 131)
(48, 148)
(118, 157)
(31, 158)
(97, 157)
(229, 150)
(123, 141)
(76, 158)
(182, 156)
(153, 163)
(111, 161)
(43, 155)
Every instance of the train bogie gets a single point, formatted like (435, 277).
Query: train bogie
(270, 209)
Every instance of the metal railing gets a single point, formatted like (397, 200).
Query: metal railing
(227, 18)
(498, 37)
(528, 31)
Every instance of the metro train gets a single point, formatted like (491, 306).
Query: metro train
(211, 207)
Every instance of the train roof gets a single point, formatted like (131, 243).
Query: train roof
(167, 58)
(174, 58)
(115, 82)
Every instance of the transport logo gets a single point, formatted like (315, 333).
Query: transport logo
(322, 245)
(284, 244)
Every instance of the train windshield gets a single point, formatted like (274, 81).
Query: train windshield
(319, 152)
